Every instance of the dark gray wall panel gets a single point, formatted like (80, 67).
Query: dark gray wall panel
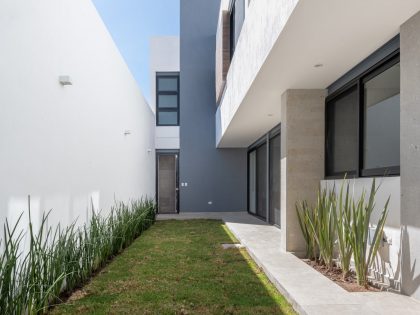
(213, 175)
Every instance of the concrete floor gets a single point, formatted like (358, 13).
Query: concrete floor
(308, 291)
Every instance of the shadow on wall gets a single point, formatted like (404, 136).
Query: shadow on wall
(411, 276)
(383, 271)
(64, 209)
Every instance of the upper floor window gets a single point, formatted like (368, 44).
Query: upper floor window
(167, 99)
(363, 124)
(237, 17)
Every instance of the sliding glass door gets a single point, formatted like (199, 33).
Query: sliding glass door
(264, 178)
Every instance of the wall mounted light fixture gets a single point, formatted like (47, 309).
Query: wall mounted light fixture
(65, 80)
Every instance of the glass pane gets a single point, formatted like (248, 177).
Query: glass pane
(168, 118)
(342, 126)
(252, 173)
(275, 180)
(382, 120)
(262, 181)
(168, 101)
(168, 84)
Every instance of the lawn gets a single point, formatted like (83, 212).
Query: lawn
(179, 267)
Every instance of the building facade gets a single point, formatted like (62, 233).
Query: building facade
(278, 98)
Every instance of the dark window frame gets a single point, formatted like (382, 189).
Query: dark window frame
(358, 82)
(232, 21)
(264, 140)
(158, 93)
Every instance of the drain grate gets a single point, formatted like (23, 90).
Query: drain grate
(233, 245)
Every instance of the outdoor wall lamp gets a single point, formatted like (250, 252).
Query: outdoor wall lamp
(65, 80)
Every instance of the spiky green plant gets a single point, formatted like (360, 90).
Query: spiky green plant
(318, 227)
(59, 260)
(306, 222)
(343, 220)
(361, 216)
(325, 232)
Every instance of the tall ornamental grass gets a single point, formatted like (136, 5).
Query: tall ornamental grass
(325, 228)
(341, 223)
(361, 212)
(61, 259)
(318, 227)
(307, 224)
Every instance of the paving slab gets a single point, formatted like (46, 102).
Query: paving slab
(306, 289)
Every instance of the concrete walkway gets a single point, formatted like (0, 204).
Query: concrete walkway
(307, 290)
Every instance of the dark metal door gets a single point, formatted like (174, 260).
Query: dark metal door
(167, 182)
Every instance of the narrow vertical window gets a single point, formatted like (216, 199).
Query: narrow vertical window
(167, 99)
(232, 29)
(342, 133)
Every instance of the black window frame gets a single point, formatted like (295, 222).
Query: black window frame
(358, 82)
(264, 140)
(236, 20)
(166, 75)
(232, 21)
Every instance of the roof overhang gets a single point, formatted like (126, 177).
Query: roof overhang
(338, 34)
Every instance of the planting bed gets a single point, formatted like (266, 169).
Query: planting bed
(335, 274)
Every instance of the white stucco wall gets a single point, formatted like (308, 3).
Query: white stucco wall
(263, 23)
(281, 43)
(164, 57)
(388, 267)
(66, 145)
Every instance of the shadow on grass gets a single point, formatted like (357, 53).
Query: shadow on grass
(180, 267)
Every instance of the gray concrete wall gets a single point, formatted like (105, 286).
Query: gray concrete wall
(302, 158)
(410, 155)
(216, 178)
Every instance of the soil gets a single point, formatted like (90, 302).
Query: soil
(349, 284)
(77, 295)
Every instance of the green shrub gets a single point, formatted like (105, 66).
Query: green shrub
(325, 228)
(343, 221)
(307, 225)
(361, 214)
(62, 259)
(318, 227)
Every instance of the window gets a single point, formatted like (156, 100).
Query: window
(232, 30)
(342, 137)
(167, 99)
(237, 17)
(381, 130)
(363, 124)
